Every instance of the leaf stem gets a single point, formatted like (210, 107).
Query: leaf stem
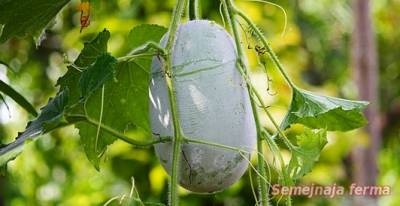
(78, 117)
(134, 56)
(146, 47)
(226, 15)
(176, 152)
(100, 118)
(196, 141)
(230, 12)
(275, 150)
(196, 9)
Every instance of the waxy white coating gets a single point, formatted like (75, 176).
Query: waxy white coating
(213, 105)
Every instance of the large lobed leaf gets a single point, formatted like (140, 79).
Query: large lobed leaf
(125, 96)
(27, 17)
(324, 112)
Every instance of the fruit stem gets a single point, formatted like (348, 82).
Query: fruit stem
(194, 8)
(176, 141)
(242, 61)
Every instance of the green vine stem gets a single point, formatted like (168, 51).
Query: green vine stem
(176, 152)
(73, 118)
(146, 47)
(161, 139)
(276, 152)
(226, 15)
(135, 56)
(194, 6)
(242, 63)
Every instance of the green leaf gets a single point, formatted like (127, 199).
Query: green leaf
(27, 17)
(144, 33)
(96, 74)
(307, 152)
(91, 51)
(324, 112)
(126, 94)
(17, 97)
(51, 117)
(125, 105)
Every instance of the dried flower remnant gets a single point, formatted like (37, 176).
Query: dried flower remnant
(84, 8)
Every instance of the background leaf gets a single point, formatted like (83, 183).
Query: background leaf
(324, 112)
(21, 17)
(51, 116)
(17, 97)
(5, 64)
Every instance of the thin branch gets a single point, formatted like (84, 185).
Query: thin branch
(176, 152)
(148, 46)
(117, 133)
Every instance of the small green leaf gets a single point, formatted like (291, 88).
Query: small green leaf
(17, 97)
(144, 33)
(51, 117)
(324, 112)
(96, 74)
(307, 152)
(22, 17)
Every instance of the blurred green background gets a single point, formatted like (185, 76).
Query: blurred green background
(315, 49)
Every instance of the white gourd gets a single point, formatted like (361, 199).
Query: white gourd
(213, 105)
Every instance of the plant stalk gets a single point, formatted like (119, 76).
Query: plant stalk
(177, 140)
(194, 7)
(243, 64)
